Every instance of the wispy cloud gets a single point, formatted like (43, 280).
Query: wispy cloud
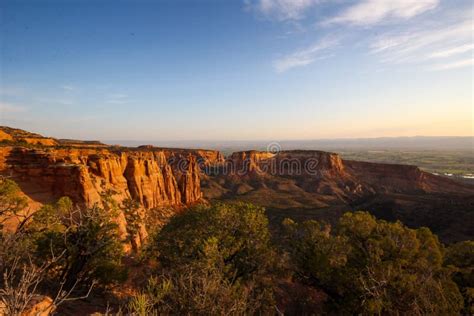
(368, 12)
(414, 45)
(405, 34)
(469, 62)
(68, 87)
(117, 98)
(306, 56)
(281, 10)
(11, 108)
(452, 51)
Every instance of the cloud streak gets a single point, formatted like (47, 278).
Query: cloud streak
(281, 10)
(369, 12)
(405, 34)
(452, 51)
(420, 45)
(68, 87)
(117, 98)
(306, 56)
(469, 62)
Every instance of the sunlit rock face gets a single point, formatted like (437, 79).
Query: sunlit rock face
(86, 175)
(155, 178)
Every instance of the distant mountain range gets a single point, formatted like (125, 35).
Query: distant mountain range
(416, 142)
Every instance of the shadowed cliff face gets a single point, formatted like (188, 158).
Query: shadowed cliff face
(319, 185)
(327, 174)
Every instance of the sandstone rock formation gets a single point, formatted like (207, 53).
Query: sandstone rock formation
(306, 184)
(313, 181)
(90, 175)
(8, 134)
(326, 173)
(86, 175)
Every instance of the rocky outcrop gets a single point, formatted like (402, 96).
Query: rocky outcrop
(190, 182)
(250, 162)
(394, 178)
(326, 174)
(92, 176)
(14, 135)
(5, 136)
(86, 175)
(203, 157)
(305, 185)
(92, 173)
(317, 173)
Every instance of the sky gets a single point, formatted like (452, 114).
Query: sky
(237, 70)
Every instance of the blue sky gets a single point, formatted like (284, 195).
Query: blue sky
(237, 70)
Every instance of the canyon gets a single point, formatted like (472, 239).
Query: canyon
(302, 184)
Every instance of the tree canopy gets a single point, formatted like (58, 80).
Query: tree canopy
(372, 266)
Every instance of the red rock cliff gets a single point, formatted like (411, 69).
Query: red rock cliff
(85, 175)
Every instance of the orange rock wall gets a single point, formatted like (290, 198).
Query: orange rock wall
(85, 175)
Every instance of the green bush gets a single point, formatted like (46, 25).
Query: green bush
(11, 203)
(237, 234)
(194, 291)
(13, 212)
(460, 257)
(86, 240)
(371, 266)
(223, 252)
